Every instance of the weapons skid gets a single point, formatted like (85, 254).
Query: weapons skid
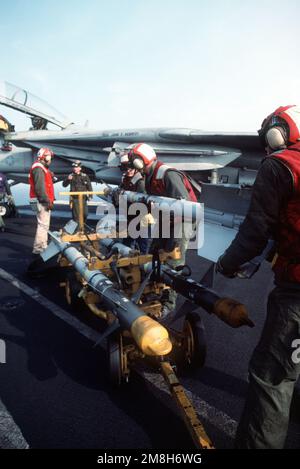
(132, 333)
(149, 335)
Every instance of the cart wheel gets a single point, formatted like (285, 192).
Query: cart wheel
(5, 210)
(194, 342)
(116, 359)
(72, 289)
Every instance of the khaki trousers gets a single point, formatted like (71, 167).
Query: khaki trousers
(43, 223)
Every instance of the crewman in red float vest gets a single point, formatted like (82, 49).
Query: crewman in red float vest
(41, 197)
(163, 180)
(274, 212)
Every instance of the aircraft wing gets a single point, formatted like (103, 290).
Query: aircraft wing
(225, 207)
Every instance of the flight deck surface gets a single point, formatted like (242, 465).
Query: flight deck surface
(55, 386)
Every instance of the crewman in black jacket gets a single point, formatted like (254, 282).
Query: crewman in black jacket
(274, 212)
(80, 182)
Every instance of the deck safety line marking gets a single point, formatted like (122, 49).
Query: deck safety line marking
(219, 419)
(86, 331)
(10, 434)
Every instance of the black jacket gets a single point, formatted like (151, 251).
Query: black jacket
(79, 183)
(271, 191)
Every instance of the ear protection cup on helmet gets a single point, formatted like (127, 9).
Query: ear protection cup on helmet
(276, 138)
(141, 155)
(287, 120)
(138, 163)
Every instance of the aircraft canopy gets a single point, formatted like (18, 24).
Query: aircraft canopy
(21, 100)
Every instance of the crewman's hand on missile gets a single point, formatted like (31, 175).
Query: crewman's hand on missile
(232, 312)
(106, 191)
(147, 219)
(115, 195)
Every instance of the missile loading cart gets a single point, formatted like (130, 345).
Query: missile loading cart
(123, 287)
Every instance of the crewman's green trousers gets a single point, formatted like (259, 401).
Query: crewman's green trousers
(273, 372)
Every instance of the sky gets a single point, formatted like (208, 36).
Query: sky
(207, 64)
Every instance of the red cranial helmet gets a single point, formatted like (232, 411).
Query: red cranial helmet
(142, 155)
(281, 128)
(44, 154)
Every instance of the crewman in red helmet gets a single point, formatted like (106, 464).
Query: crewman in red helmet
(41, 197)
(274, 212)
(163, 180)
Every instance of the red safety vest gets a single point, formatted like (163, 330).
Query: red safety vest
(157, 183)
(287, 264)
(49, 188)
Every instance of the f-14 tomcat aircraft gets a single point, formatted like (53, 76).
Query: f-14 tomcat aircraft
(219, 157)
(225, 163)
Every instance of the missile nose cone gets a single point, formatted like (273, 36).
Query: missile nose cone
(150, 336)
(160, 347)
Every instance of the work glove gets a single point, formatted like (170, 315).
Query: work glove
(147, 219)
(232, 312)
(221, 270)
(107, 191)
(115, 194)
